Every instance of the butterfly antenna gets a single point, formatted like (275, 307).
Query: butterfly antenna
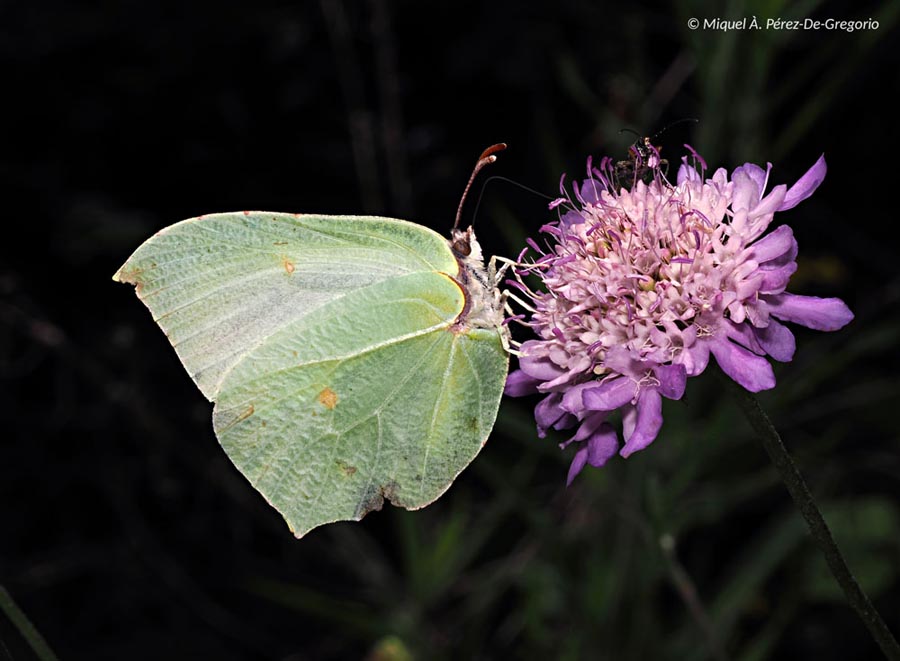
(487, 157)
(509, 181)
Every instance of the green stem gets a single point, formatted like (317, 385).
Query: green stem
(25, 627)
(792, 479)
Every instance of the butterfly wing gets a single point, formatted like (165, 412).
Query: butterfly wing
(329, 347)
(218, 285)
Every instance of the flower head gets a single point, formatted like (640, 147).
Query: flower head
(643, 283)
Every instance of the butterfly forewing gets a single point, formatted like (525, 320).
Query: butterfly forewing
(219, 284)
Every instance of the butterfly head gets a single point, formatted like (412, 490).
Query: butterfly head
(465, 246)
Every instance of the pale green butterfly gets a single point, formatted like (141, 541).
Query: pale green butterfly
(350, 358)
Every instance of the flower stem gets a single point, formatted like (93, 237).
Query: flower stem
(19, 620)
(796, 486)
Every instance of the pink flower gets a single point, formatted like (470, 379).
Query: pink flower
(643, 284)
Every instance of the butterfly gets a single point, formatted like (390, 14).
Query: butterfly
(350, 359)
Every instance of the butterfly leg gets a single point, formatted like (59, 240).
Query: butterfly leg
(495, 274)
(509, 345)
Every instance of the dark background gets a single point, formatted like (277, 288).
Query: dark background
(125, 533)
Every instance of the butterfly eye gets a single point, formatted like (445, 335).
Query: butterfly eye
(462, 246)
(461, 241)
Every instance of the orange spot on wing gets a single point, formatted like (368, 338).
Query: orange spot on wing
(246, 213)
(246, 413)
(346, 468)
(328, 398)
(288, 265)
(132, 275)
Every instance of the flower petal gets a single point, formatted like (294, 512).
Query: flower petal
(746, 191)
(759, 217)
(571, 218)
(587, 428)
(777, 341)
(805, 186)
(672, 380)
(609, 395)
(751, 371)
(547, 413)
(519, 384)
(578, 462)
(622, 360)
(743, 334)
(695, 358)
(554, 384)
(757, 174)
(776, 279)
(825, 314)
(538, 367)
(773, 246)
(748, 287)
(629, 420)
(590, 191)
(648, 423)
(602, 445)
(686, 173)
(770, 203)
(572, 401)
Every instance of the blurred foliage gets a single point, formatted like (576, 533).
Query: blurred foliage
(127, 534)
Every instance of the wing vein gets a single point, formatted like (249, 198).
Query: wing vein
(477, 380)
(429, 439)
(362, 498)
(338, 359)
(250, 277)
(393, 392)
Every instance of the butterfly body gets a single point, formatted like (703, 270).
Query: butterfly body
(484, 302)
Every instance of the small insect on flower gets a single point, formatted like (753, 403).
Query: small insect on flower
(642, 162)
(642, 282)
